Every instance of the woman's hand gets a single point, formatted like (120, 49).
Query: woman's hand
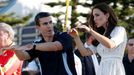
(84, 28)
(74, 33)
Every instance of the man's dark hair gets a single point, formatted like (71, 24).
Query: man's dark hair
(40, 15)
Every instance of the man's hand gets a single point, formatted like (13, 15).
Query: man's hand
(17, 47)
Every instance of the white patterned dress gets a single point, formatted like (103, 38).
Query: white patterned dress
(111, 59)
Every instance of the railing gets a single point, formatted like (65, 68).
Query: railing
(24, 35)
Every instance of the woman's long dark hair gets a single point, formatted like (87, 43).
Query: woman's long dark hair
(112, 20)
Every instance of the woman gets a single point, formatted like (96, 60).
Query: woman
(110, 40)
(9, 63)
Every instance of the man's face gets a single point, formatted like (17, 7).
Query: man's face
(130, 46)
(46, 26)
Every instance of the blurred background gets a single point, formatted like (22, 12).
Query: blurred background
(20, 14)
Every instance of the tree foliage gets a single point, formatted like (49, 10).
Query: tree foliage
(12, 20)
(124, 9)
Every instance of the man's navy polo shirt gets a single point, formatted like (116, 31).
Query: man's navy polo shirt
(51, 61)
(129, 66)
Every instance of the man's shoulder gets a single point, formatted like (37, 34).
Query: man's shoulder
(62, 35)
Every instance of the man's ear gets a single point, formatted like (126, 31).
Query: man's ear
(37, 27)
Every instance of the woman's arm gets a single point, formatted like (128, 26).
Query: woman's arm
(84, 51)
(102, 39)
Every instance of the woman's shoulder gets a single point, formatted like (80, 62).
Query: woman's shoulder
(119, 29)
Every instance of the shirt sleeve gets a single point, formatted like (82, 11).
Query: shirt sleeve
(66, 41)
(33, 54)
(118, 35)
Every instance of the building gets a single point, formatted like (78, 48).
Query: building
(22, 8)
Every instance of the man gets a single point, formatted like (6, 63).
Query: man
(128, 60)
(54, 50)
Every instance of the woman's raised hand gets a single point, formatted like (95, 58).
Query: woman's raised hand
(83, 28)
(74, 33)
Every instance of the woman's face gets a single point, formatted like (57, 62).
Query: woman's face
(100, 18)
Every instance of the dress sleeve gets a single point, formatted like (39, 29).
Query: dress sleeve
(10, 64)
(118, 35)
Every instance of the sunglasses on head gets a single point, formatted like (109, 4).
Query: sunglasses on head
(130, 44)
(46, 23)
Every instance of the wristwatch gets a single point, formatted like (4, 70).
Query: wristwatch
(34, 47)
